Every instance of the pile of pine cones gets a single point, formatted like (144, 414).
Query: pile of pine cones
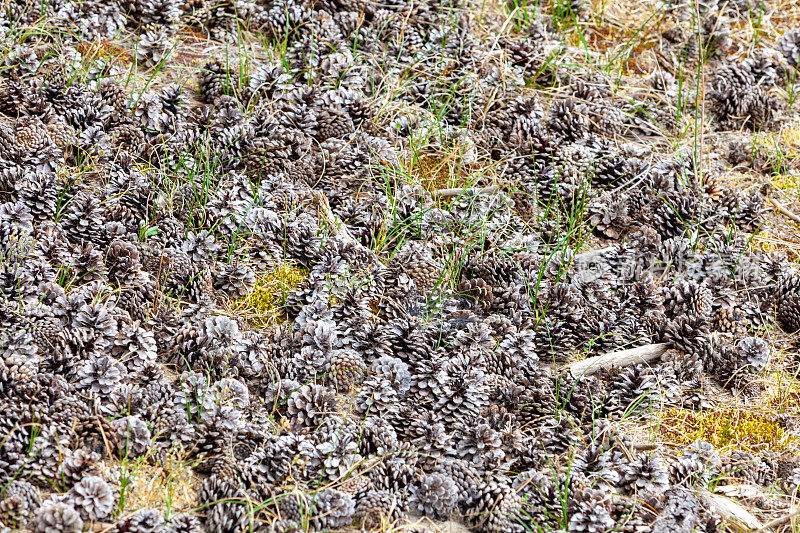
(413, 375)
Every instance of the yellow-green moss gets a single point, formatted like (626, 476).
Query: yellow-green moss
(786, 181)
(261, 306)
(726, 428)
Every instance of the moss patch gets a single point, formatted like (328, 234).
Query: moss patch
(433, 172)
(726, 428)
(261, 307)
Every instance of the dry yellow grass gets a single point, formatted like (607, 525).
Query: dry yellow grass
(774, 244)
(782, 393)
(171, 486)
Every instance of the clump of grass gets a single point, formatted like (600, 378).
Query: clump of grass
(775, 244)
(782, 151)
(783, 393)
(431, 172)
(170, 486)
(786, 182)
(262, 305)
(730, 428)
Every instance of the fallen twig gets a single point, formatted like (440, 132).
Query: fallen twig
(777, 522)
(737, 515)
(640, 354)
(784, 211)
(338, 227)
(449, 193)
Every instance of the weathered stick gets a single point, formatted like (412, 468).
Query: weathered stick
(740, 490)
(735, 513)
(640, 354)
(784, 211)
(449, 193)
(777, 522)
(337, 226)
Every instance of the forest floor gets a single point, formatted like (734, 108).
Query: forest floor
(286, 265)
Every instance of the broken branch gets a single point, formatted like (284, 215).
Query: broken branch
(640, 354)
(777, 522)
(784, 211)
(737, 515)
(337, 226)
(449, 193)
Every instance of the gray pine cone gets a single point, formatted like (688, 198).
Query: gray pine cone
(434, 496)
(57, 517)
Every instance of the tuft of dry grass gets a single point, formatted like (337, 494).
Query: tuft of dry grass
(783, 393)
(774, 244)
(432, 172)
(106, 50)
(262, 306)
(450, 167)
(171, 486)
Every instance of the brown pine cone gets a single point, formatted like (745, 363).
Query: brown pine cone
(477, 289)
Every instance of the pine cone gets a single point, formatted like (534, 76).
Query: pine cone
(569, 119)
(754, 353)
(376, 509)
(236, 280)
(331, 509)
(347, 368)
(788, 312)
(591, 518)
(688, 298)
(215, 81)
(742, 465)
(92, 498)
(498, 508)
(478, 290)
(310, 405)
(789, 46)
(645, 474)
(57, 517)
(19, 501)
(154, 46)
(675, 213)
(729, 320)
(434, 495)
(184, 523)
(609, 216)
(142, 521)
